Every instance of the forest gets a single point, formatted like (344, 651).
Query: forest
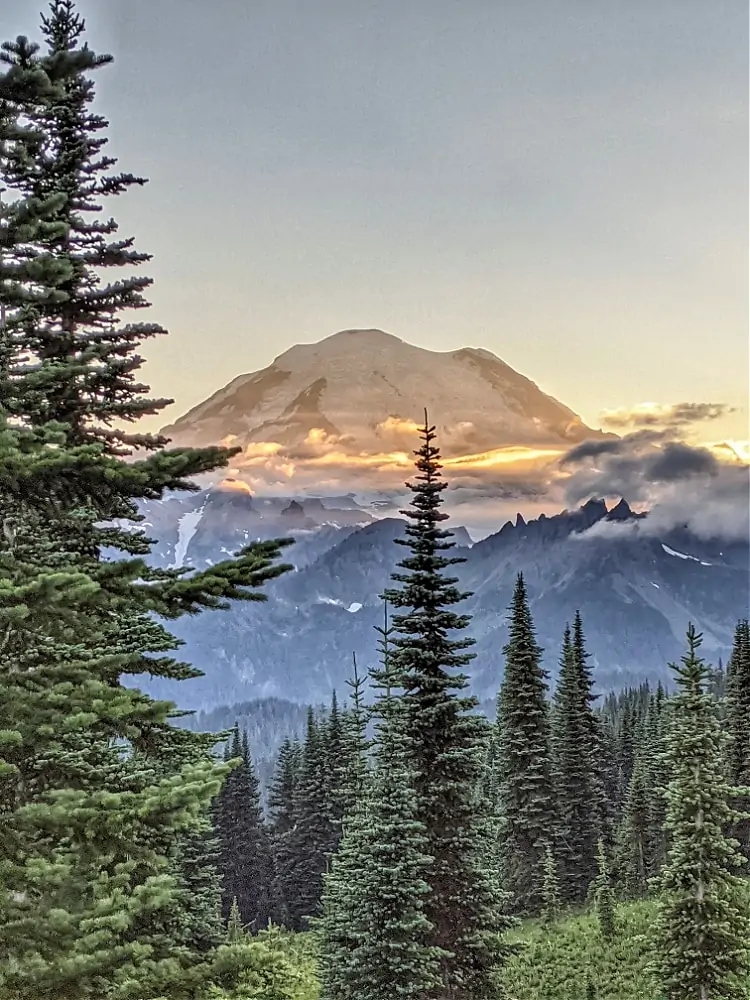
(409, 847)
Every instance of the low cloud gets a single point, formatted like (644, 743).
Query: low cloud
(680, 484)
(703, 486)
(673, 416)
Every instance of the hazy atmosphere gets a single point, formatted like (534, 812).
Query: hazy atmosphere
(564, 185)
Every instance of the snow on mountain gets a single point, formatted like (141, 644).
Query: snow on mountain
(682, 555)
(187, 525)
(360, 392)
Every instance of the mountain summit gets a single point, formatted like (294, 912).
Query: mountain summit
(362, 391)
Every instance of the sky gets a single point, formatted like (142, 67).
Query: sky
(563, 184)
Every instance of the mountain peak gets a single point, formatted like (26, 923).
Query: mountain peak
(362, 392)
(350, 342)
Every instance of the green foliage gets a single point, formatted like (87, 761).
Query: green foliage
(580, 795)
(604, 897)
(738, 722)
(523, 758)
(375, 937)
(553, 963)
(703, 932)
(270, 966)
(449, 742)
(550, 886)
(100, 819)
(244, 858)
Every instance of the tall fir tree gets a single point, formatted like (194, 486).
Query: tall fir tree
(353, 769)
(448, 742)
(604, 897)
(305, 848)
(524, 764)
(85, 892)
(282, 801)
(245, 861)
(702, 938)
(575, 777)
(598, 761)
(738, 724)
(375, 936)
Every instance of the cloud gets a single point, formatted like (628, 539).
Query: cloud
(680, 484)
(672, 416)
(395, 425)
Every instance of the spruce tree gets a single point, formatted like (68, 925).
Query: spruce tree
(551, 895)
(703, 932)
(575, 777)
(634, 858)
(738, 724)
(448, 743)
(353, 770)
(283, 791)
(598, 761)
(305, 849)
(245, 860)
(524, 767)
(604, 897)
(375, 936)
(88, 877)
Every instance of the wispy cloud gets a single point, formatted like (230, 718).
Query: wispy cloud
(664, 415)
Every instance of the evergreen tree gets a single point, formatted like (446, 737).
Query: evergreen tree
(88, 882)
(333, 749)
(550, 886)
(704, 924)
(282, 794)
(375, 937)
(575, 777)
(635, 833)
(604, 896)
(598, 763)
(282, 800)
(448, 743)
(353, 772)
(235, 927)
(245, 860)
(524, 757)
(738, 723)
(305, 849)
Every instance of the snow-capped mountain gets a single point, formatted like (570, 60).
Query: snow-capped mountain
(359, 393)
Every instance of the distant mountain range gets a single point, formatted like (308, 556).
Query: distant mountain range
(636, 589)
(326, 432)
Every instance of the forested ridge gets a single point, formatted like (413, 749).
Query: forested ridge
(409, 847)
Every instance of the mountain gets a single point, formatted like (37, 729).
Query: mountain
(200, 529)
(359, 391)
(637, 589)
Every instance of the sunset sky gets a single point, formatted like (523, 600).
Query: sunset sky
(564, 184)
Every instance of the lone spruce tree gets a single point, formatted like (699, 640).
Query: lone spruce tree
(702, 942)
(448, 743)
(523, 753)
(89, 812)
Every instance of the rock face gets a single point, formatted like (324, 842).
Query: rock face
(637, 590)
(362, 390)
